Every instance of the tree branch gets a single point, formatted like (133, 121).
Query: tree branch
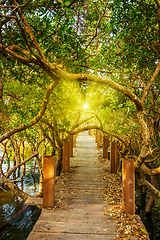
(35, 119)
(151, 188)
(27, 27)
(102, 80)
(146, 170)
(148, 86)
(20, 164)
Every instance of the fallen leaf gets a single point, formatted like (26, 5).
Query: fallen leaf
(106, 212)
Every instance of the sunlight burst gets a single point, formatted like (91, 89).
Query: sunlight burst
(85, 106)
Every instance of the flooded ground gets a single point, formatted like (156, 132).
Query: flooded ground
(150, 220)
(12, 207)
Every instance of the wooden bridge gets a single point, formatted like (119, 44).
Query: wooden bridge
(80, 211)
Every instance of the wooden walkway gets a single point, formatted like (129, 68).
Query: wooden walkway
(80, 212)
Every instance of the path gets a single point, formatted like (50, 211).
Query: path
(80, 213)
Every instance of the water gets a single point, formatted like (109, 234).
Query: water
(10, 205)
(21, 225)
(150, 220)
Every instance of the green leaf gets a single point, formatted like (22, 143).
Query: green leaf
(144, 231)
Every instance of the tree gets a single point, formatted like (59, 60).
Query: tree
(68, 41)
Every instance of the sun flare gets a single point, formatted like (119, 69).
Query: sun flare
(85, 106)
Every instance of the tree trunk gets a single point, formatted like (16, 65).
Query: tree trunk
(14, 187)
(40, 192)
(151, 199)
(149, 204)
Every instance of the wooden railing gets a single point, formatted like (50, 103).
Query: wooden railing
(128, 173)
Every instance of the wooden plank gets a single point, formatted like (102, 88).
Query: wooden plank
(49, 182)
(128, 186)
(66, 157)
(34, 201)
(105, 146)
(113, 157)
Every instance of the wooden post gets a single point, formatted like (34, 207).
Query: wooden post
(98, 139)
(66, 156)
(74, 141)
(113, 157)
(71, 145)
(96, 136)
(105, 146)
(49, 182)
(128, 186)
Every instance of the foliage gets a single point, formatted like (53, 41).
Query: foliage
(78, 45)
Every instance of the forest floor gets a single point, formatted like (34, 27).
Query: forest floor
(129, 226)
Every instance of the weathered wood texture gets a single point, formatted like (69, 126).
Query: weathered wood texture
(66, 156)
(105, 146)
(74, 141)
(96, 135)
(98, 139)
(71, 145)
(49, 182)
(113, 157)
(128, 186)
(34, 201)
